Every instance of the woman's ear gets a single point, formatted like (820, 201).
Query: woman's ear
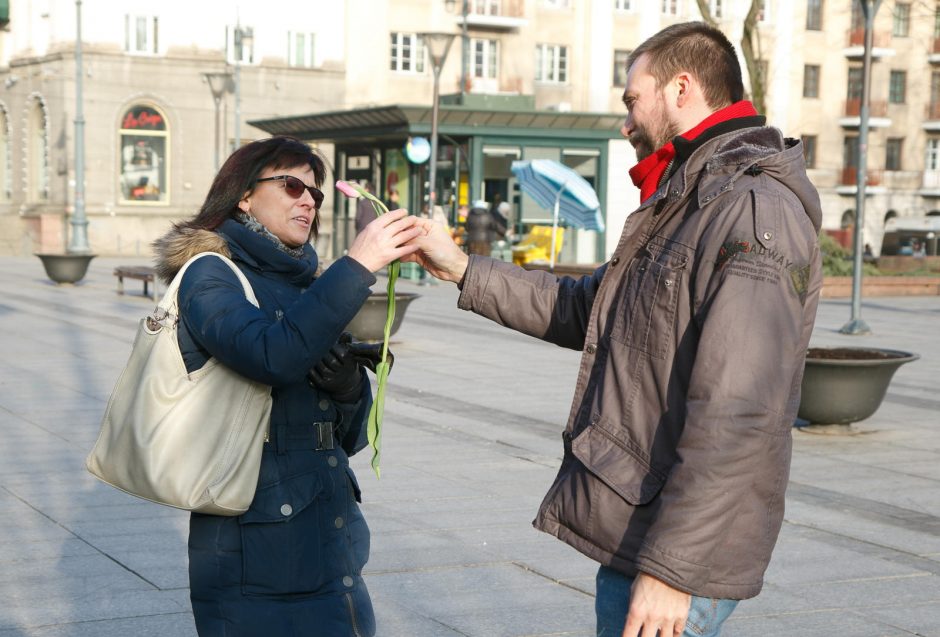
(245, 205)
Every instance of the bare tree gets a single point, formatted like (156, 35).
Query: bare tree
(750, 48)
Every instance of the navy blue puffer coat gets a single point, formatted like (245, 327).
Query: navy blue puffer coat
(292, 564)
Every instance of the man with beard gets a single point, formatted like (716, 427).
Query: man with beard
(694, 333)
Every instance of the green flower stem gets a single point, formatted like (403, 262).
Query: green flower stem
(374, 423)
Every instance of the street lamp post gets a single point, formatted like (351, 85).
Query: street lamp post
(243, 37)
(464, 44)
(438, 45)
(219, 84)
(78, 241)
(856, 326)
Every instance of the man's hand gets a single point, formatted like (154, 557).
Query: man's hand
(437, 252)
(656, 606)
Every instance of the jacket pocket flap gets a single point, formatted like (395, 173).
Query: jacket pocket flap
(617, 466)
(281, 501)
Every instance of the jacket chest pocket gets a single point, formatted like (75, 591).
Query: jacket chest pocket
(645, 308)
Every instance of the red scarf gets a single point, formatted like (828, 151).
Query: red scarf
(647, 173)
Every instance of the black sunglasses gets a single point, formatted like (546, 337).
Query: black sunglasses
(295, 188)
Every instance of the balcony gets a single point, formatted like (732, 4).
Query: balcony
(877, 114)
(932, 117)
(848, 183)
(934, 56)
(930, 184)
(855, 47)
(495, 16)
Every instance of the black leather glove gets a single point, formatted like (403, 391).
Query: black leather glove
(338, 372)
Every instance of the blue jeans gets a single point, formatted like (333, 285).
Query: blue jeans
(613, 599)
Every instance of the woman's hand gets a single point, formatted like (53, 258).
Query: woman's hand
(385, 239)
(437, 252)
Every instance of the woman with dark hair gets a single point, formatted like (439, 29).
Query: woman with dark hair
(291, 564)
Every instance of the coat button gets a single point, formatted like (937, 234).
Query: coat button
(347, 581)
(590, 349)
(332, 461)
(324, 404)
(615, 261)
(768, 236)
(338, 523)
(286, 509)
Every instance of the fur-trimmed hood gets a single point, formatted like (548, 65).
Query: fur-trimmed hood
(182, 243)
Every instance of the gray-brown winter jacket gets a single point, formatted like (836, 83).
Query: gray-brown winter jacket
(677, 446)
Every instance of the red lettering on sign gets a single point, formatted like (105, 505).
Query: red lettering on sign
(144, 119)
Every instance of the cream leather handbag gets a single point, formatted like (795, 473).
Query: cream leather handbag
(191, 441)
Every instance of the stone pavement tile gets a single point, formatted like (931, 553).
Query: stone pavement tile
(806, 556)
(862, 593)
(38, 550)
(394, 620)
(876, 531)
(559, 620)
(177, 624)
(480, 588)
(94, 530)
(920, 619)
(821, 623)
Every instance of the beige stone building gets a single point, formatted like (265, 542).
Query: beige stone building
(151, 119)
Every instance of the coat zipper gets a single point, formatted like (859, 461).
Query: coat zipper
(352, 615)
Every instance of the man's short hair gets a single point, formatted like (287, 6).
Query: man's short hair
(699, 49)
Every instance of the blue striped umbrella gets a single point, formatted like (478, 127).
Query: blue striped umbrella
(555, 186)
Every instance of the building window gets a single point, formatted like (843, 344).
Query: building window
(670, 7)
(809, 150)
(485, 63)
(932, 161)
(551, 63)
(620, 67)
(893, 153)
(557, 4)
(144, 145)
(140, 34)
(37, 151)
(6, 183)
(811, 80)
(716, 9)
(902, 20)
(854, 87)
(484, 7)
(936, 22)
(408, 53)
(623, 5)
(897, 87)
(300, 49)
(239, 44)
(814, 15)
(850, 152)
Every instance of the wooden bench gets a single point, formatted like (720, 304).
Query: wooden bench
(143, 273)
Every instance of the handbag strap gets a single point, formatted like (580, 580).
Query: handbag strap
(168, 304)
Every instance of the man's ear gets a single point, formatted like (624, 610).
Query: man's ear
(683, 87)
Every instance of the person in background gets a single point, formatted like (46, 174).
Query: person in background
(365, 213)
(694, 337)
(292, 564)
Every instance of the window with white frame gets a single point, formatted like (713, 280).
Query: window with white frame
(485, 62)
(140, 34)
(551, 63)
(901, 24)
(239, 44)
(932, 161)
(144, 152)
(407, 53)
(670, 7)
(557, 4)
(716, 9)
(300, 49)
(623, 5)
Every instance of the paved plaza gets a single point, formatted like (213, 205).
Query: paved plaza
(472, 441)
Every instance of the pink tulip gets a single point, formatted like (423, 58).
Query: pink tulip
(347, 189)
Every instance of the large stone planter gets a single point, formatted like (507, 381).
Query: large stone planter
(369, 324)
(66, 268)
(843, 385)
